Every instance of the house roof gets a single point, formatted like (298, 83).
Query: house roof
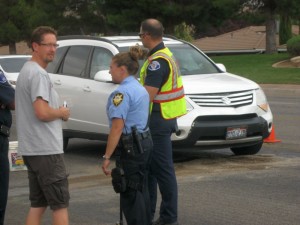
(248, 38)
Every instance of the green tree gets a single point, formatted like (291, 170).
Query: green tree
(285, 28)
(184, 32)
(52, 13)
(19, 17)
(286, 9)
(289, 11)
(83, 17)
(125, 16)
(13, 22)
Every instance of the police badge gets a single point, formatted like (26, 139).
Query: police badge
(118, 98)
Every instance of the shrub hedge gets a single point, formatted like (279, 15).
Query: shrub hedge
(293, 46)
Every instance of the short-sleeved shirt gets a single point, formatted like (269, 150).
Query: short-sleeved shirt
(35, 136)
(130, 102)
(157, 72)
(7, 95)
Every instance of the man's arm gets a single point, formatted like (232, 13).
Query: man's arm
(152, 92)
(156, 77)
(46, 113)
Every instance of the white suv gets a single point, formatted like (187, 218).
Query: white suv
(11, 66)
(224, 110)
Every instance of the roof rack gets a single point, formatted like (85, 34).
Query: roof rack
(103, 38)
(88, 37)
(171, 36)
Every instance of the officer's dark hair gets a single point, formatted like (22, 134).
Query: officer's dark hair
(152, 27)
(39, 32)
(130, 59)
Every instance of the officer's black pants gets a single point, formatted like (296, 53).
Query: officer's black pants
(162, 170)
(4, 176)
(135, 203)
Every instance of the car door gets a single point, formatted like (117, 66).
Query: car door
(85, 97)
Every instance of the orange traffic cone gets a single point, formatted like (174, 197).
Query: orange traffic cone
(271, 138)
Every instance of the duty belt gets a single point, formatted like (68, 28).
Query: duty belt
(130, 141)
(4, 130)
(145, 134)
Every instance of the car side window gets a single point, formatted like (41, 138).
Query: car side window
(53, 66)
(76, 60)
(100, 60)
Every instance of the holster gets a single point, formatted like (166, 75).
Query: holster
(4, 130)
(118, 180)
(127, 144)
(135, 143)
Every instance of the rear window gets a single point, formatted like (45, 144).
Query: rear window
(190, 60)
(13, 65)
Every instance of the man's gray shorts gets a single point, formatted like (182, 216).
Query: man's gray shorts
(48, 183)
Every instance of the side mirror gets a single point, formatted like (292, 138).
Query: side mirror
(221, 67)
(103, 76)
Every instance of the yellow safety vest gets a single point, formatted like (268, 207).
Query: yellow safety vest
(171, 95)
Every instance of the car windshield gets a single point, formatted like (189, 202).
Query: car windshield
(13, 65)
(190, 60)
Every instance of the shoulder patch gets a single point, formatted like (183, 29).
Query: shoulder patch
(2, 77)
(117, 99)
(154, 65)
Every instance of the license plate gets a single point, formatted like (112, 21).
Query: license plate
(236, 132)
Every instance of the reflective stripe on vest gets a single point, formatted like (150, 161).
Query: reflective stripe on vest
(175, 93)
(169, 95)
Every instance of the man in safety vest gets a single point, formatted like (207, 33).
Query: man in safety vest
(160, 75)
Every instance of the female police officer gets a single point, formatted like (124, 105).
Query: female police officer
(127, 110)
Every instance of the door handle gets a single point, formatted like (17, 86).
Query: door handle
(87, 89)
(58, 82)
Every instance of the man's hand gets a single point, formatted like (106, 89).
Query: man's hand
(65, 112)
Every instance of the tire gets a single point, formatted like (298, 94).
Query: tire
(65, 143)
(247, 150)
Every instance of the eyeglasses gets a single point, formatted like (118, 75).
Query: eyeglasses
(142, 35)
(49, 45)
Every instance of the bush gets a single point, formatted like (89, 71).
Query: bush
(293, 46)
(184, 32)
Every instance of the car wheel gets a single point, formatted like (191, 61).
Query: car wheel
(65, 143)
(247, 150)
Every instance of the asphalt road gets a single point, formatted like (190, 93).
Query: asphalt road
(215, 187)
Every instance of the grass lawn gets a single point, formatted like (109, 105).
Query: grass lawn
(258, 67)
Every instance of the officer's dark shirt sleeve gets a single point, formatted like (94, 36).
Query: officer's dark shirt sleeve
(7, 96)
(158, 77)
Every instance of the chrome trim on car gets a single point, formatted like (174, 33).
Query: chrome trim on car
(234, 99)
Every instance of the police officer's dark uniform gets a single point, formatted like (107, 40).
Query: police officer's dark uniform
(159, 125)
(160, 75)
(7, 96)
(130, 102)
